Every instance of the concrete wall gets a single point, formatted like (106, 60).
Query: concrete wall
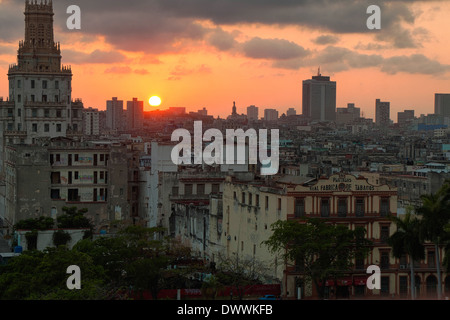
(45, 238)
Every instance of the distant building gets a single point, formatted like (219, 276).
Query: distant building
(270, 114)
(135, 114)
(291, 112)
(382, 113)
(114, 114)
(203, 112)
(319, 98)
(91, 122)
(347, 115)
(252, 113)
(405, 117)
(442, 104)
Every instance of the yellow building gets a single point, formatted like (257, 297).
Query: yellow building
(350, 200)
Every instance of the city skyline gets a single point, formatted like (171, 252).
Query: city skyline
(253, 60)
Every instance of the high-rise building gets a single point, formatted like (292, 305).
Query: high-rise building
(382, 113)
(442, 104)
(405, 117)
(270, 114)
(203, 112)
(40, 101)
(319, 98)
(135, 114)
(114, 114)
(291, 112)
(91, 122)
(252, 113)
(347, 115)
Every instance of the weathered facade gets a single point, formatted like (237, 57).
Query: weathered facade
(41, 180)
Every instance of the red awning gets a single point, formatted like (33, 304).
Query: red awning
(359, 280)
(344, 281)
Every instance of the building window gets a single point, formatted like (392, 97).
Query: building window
(76, 175)
(384, 286)
(102, 175)
(431, 259)
(56, 84)
(32, 98)
(33, 84)
(44, 98)
(46, 127)
(200, 189)
(243, 197)
(174, 191)
(299, 207)
(46, 113)
(19, 84)
(19, 98)
(403, 284)
(384, 260)
(279, 203)
(234, 195)
(267, 203)
(54, 193)
(188, 189)
(359, 207)
(384, 233)
(19, 112)
(10, 113)
(342, 207)
(34, 127)
(250, 199)
(325, 207)
(216, 188)
(34, 113)
(58, 113)
(384, 207)
(102, 157)
(44, 84)
(58, 127)
(10, 126)
(257, 200)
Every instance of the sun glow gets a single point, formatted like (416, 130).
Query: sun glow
(154, 101)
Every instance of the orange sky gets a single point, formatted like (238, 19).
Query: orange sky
(198, 75)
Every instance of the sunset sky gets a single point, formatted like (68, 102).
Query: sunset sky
(209, 53)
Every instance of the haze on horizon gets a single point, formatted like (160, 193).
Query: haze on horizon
(209, 53)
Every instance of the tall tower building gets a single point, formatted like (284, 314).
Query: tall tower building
(319, 98)
(442, 104)
(135, 114)
(114, 114)
(382, 113)
(91, 119)
(40, 89)
(252, 113)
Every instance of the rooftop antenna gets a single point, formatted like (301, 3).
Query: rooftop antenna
(318, 72)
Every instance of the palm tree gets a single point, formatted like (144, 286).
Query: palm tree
(406, 240)
(435, 212)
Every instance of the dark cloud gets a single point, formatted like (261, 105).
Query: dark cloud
(222, 40)
(276, 49)
(415, 64)
(339, 59)
(326, 39)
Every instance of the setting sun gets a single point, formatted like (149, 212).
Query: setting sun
(154, 101)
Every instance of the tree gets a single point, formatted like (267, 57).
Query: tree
(41, 223)
(435, 212)
(406, 240)
(73, 218)
(40, 275)
(239, 272)
(319, 249)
